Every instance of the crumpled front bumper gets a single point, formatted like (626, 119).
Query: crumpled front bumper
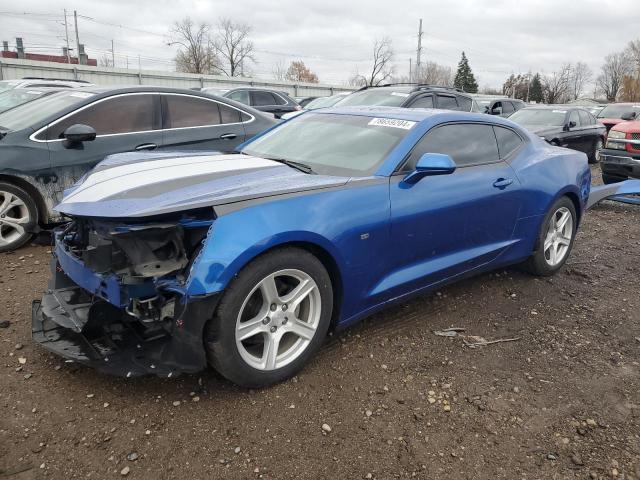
(74, 325)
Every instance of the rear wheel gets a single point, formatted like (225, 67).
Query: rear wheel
(272, 318)
(594, 156)
(555, 239)
(18, 217)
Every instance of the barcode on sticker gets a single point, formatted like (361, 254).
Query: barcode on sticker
(392, 122)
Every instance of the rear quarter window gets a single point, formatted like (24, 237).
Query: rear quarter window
(509, 141)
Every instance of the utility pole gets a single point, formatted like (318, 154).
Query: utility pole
(528, 84)
(410, 73)
(113, 56)
(66, 35)
(75, 21)
(419, 51)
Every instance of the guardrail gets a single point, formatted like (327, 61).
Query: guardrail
(17, 68)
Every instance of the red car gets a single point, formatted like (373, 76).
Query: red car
(620, 159)
(612, 114)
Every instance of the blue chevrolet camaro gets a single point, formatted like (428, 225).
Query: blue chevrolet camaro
(175, 261)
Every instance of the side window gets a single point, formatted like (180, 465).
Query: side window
(465, 104)
(423, 102)
(496, 108)
(228, 114)
(519, 105)
(262, 99)
(467, 144)
(184, 111)
(574, 117)
(120, 114)
(279, 100)
(585, 118)
(446, 102)
(507, 108)
(508, 141)
(241, 96)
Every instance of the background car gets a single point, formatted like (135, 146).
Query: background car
(273, 101)
(303, 101)
(245, 261)
(320, 102)
(37, 82)
(620, 160)
(569, 127)
(409, 96)
(502, 107)
(19, 96)
(612, 114)
(48, 144)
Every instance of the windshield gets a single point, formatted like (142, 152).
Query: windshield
(34, 112)
(376, 97)
(18, 96)
(323, 102)
(481, 105)
(330, 144)
(7, 85)
(533, 116)
(617, 111)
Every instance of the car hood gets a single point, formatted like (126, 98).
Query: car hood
(130, 186)
(542, 130)
(610, 121)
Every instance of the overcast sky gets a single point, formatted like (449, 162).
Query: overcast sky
(334, 37)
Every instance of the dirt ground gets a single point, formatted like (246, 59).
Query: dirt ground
(563, 401)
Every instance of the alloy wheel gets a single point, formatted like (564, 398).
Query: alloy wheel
(278, 319)
(14, 215)
(559, 235)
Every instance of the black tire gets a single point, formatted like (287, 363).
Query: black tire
(220, 334)
(537, 264)
(607, 179)
(9, 234)
(594, 156)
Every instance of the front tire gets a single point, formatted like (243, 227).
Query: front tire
(272, 318)
(594, 156)
(555, 239)
(18, 217)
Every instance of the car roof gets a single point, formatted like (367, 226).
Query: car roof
(411, 114)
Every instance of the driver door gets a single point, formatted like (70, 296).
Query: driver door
(123, 123)
(444, 226)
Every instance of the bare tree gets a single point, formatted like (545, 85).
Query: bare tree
(382, 56)
(556, 85)
(279, 70)
(616, 66)
(233, 46)
(633, 51)
(435, 74)
(299, 72)
(195, 54)
(581, 75)
(105, 61)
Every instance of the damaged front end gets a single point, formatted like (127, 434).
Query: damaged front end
(117, 299)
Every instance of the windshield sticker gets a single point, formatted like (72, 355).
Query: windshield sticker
(81, 94)
(392, 122)
(400, 94)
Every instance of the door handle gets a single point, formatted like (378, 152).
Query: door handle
(147, 146)
(228, 136)
(502, 183)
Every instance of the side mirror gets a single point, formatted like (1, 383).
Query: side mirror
(431, 164)
(629, 116)
(78, 133)
(569, 126)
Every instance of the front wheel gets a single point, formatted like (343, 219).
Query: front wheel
(555, 239)
(272, 318)
(594, 155)
(18, 217)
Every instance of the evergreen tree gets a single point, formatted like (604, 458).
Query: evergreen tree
(536, 93)
(465, 80)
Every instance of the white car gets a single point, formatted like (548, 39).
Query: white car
(34, 82)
